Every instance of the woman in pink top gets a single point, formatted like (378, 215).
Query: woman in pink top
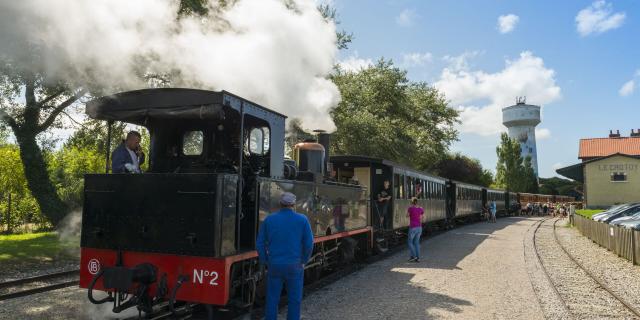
(415, 229)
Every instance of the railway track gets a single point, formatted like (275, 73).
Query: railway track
(582, 294)
(29, 286)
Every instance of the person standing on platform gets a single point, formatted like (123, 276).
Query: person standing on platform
(284, 245)
(415, 230)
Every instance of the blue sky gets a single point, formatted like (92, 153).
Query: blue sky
(580, 60)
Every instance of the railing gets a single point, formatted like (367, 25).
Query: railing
(621, 241)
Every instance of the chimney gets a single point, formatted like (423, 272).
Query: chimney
(635, 133)
(324, 139)
(614, 135)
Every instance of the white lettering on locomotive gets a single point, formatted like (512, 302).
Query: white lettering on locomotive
(93, 266)
(201, 276)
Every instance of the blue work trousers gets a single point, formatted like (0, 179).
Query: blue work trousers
(292, 276)
(414, 241)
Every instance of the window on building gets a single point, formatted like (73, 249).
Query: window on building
(618, 176)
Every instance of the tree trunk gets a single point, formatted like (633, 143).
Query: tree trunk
(9, 227)
(40, 185)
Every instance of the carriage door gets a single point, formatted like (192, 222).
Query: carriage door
(451, 197)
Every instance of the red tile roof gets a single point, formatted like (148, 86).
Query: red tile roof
(602, 147)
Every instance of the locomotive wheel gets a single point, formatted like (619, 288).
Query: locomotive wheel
(312, 274)
(347, 250)
(380, 245)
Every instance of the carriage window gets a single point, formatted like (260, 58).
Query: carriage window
(192, 142)
(398, 185)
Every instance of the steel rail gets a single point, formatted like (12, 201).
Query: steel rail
(29, 292)
(598, 281)
(49, 276)
(544, 268)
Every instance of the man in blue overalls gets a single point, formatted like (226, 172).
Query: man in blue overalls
(284, 244)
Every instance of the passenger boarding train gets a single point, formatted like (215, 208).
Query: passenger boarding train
(184, 231)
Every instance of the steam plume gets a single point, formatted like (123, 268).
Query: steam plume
(275, 52)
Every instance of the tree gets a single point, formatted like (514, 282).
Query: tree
(33, 98)
(462, 168)
(343, 38)
(512, 172)
(555, 185)
(383, 114)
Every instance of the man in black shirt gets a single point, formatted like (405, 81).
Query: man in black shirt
(384, 198)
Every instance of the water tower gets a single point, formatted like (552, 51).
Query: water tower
(521, 119)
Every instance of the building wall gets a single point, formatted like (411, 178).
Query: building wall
(600, 191)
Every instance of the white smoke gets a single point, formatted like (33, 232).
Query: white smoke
(277, 53)
(104, 311)
(69, 232)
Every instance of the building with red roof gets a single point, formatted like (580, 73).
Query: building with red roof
(610, 169)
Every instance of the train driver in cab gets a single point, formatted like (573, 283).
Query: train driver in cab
(128, 156)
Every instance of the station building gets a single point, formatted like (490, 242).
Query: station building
(609, 169)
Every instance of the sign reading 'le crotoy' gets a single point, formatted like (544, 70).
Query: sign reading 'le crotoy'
(618, 167)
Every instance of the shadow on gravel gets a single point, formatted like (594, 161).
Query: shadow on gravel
(453, 246)
(392, 293)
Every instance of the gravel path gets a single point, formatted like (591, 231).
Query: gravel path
(577, 295)
(474, 272)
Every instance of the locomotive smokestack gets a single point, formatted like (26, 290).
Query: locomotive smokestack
(324, 139)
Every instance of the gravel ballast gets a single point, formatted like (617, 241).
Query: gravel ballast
(473, 272)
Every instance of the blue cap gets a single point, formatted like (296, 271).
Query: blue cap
(288, 199)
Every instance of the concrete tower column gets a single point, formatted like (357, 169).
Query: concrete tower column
(521, 120)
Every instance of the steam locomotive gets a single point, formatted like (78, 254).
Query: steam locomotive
(185, 230)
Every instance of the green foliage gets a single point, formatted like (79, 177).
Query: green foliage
(67, 169)
(462, 168)
(17, 206)
(512, 172)
(343, 38)
(588, 213)
(556, 185)
(92, 135)
(194, 7)
(34, 247)
(383, 114)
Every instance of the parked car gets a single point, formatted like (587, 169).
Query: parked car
(612, 210)
(631, 224)
(631, 210)
(620, 220)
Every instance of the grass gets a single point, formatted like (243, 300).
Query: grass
(588, 213)
(34, 247)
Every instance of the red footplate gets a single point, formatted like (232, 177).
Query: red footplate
(207, 278)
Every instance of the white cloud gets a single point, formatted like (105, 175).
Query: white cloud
(557, 166)
(354, 63)
(416, 59)
(598, 18)
(543, 133)
(460, 62)
(506, 23)
(480, 96)
(406, 17)
(627, 88)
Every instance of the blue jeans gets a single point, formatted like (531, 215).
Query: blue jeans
(414, 241)
(292, 276)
